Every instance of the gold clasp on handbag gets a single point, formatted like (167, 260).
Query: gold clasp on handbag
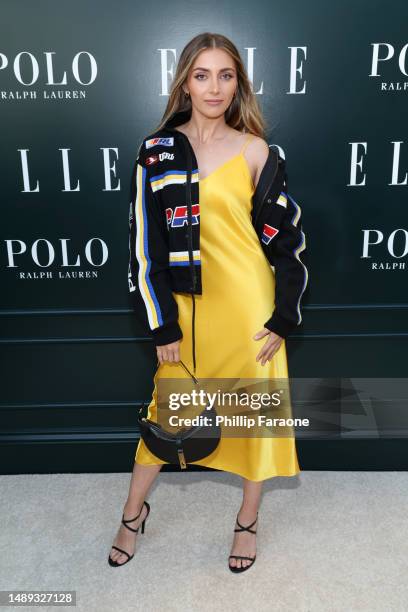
(181, 458)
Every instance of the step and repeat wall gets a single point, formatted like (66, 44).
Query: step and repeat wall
(81, 84)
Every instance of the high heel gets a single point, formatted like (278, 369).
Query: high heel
(242, 568)
(113, 563)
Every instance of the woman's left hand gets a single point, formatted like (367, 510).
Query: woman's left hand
(271, 345)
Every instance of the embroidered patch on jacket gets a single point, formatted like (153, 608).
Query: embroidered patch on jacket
(166, 155)
(179, 217)
(156, 157)
(152, 159)
(268, 233)
(163, 142)
(282, 200)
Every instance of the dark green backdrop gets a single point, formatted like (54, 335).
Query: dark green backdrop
(81, 84)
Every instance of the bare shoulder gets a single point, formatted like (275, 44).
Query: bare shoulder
(257, 153)
(258, 149)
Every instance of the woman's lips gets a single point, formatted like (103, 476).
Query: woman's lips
(213, 102)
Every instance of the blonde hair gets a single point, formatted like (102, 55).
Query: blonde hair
(243, 113)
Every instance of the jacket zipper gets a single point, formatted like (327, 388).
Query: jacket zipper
(189, 212)
(190, 224)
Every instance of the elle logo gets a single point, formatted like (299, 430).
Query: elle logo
(109, 169)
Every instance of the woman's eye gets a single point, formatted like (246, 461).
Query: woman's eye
(229, 75)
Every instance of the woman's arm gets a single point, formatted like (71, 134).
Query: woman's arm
(291, 276)
(285, 251)
(149, 256)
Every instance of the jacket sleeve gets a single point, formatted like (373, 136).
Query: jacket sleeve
(148, 272)
(286, 254)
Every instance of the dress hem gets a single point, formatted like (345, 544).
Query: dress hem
(281, 474)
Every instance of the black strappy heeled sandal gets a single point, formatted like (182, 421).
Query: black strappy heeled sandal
(242, 568)
(113, 563)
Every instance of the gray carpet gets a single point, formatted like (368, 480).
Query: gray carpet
(327, 541)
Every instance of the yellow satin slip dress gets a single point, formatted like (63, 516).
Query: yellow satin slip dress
(238, 297)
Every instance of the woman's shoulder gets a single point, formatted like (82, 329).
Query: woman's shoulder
(258, 147)
(256, 153)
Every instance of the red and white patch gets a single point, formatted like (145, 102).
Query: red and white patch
(152, 159)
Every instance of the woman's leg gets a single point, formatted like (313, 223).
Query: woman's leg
(142, 479)
(245, 542)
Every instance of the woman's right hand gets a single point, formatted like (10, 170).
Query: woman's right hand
(169, 352)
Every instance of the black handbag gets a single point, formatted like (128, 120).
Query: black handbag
(187, 444)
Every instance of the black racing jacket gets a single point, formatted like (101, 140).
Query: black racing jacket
(164, 233)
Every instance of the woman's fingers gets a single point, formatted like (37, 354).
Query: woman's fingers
(269, 355)
(159, 355)
(269, 349)
(169, 352)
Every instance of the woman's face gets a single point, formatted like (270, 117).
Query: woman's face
(213, 76)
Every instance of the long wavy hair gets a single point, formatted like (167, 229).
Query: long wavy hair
(243, 113)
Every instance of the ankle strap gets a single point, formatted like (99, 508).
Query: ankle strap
(133, 519)
(248, 527)
(131, 528)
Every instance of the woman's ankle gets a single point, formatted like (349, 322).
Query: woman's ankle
(132, 508)
(247, 513)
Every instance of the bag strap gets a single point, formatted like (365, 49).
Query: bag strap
(186, 369)
(188, 372)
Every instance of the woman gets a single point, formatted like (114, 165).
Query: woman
(212, 107)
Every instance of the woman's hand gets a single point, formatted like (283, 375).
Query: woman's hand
(271, 345)
(169, 352)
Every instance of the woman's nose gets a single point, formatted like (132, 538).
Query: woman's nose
(214, 85)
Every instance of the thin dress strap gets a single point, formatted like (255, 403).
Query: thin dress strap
(247, 141)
